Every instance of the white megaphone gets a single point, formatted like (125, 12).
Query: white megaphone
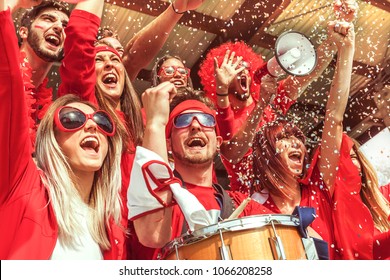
(294, 55)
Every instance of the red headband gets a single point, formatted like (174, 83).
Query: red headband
(188, 105)
(104, 48)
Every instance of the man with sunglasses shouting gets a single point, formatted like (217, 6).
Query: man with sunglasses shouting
(162, 203)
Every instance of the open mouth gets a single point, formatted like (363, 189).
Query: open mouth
(53, 40)
(110, 79)
(196, 142)
(295, 156)
(90, 143)
(243, 82)
(177, 83)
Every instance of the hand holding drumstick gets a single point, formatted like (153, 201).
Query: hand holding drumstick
(239, 209)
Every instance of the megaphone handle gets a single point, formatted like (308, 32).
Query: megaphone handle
(261, 72)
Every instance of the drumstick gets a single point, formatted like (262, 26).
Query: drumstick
(239, 209)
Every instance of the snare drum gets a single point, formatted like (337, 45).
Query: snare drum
(260, 237)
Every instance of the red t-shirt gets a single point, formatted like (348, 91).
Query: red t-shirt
(356, 235)
(314, 194)
(382, 240)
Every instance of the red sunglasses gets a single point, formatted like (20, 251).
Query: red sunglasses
(171, 70)
(70, 119)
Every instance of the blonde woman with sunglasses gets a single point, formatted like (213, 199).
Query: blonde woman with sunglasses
(67, 205)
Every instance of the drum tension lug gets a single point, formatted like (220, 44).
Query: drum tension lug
(177, 251)
(224, 250)
(277, 245)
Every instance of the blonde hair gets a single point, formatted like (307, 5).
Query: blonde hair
(370, 194)
(105, 201)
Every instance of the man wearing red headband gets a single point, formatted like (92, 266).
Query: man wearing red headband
(191, 134)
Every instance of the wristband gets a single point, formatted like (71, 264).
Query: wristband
(173, 7)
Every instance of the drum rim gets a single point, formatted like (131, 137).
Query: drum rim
(238, 224)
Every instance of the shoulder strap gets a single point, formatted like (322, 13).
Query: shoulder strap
(224, 200)
(306, 216)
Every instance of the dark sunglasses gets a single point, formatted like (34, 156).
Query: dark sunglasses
(171, 70)
(185, 120)
(70, 119)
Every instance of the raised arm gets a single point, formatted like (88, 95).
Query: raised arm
(25, 4)
(342, 33)
(94, 7)
(15, 147)
(154, 229)
(236, 148)
(344, 10)
(14, 5)
(224, 75)
(156, 104)
(146, 44)
(77, 69)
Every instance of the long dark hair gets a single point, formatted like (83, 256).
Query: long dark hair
(154, 74)
(130, 105)
(269, 171)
